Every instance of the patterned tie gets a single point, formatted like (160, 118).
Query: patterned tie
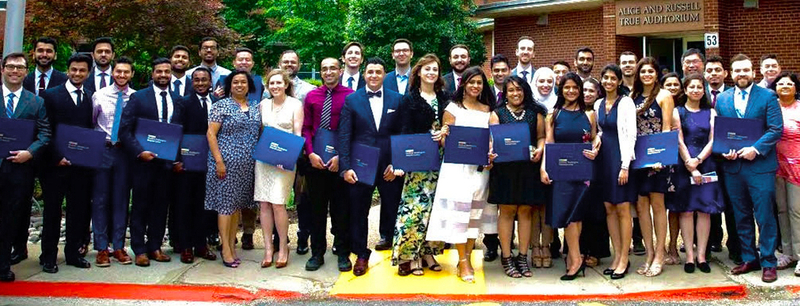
(117, 116)
(10, 105)
(714, 94)
(325, 117)
(41, 88)
(350, 82)
(741, 112)
(78, 100)
(177, 87)
(164, 106)
(525, 76)
(102, 80)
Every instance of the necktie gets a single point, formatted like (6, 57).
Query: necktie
(102, 80)
(373, 94)
(741, 111)
(10, 105)
(204, 101)
(41, 88)
(499, 97)
(403, 78)
(78, 100)
(525, 76)
(350, 82)
(177, 87)
(714, 94)
(117, 116)
(325, 117)
(458, 82)
(164, 106)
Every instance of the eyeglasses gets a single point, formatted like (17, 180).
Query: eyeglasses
(15, 67)
(402, 51)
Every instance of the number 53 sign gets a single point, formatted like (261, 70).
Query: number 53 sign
(712, 40)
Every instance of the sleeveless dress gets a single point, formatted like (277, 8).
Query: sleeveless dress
(568, 196)
(237, 139)
(517, 182)
(647, 123)
(609, 158)
(707, 197)
(461, 191)
(272, 184)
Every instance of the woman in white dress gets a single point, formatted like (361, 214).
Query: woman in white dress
(273, 184)
(462, 190)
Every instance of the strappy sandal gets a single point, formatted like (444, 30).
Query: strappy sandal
(536, 257)
(404, 269)
(655, 270)
(591, 261)
(416, 268)
(433, 267)
(467, 278)
(672, 259)
(642, 270)
(547, 261)
(522, 265)
(509, 267)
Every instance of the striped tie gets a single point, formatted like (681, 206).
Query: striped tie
(325, 118)
(10, 105)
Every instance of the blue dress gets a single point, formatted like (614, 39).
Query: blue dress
(610, 159)
(649, 122)
(707, 197)
(237, 138)
(568, 196)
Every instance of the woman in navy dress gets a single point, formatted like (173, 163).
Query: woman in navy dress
(654, 115)
(570, 122)
(616, 122)
(672, 82)
(695, 122)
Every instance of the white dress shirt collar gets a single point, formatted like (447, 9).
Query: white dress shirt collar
(376, 105)
(17, 95)
(71, 89)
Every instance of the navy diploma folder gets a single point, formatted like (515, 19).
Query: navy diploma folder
(325, 144)
(15, 135)
(467, 145)
(511, 142)
(161, 138)
(364, 161)
(276, 147)
(415, 152)
(80, 146)
(656, 148)
(194, 153)
(565, 161)
(735, 133)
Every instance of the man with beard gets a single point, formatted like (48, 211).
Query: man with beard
(352, 56)
(179, 82)
(525, 55)
(209, 50)
(103, 54)
(770, 69)
(152, 179)
(627, 63)
(18, 169)
(44, 77)
(402, 52)
(584, 62)
(290, 62)
(67, 104)
(692, 61)
(459, 61)
(715, 75)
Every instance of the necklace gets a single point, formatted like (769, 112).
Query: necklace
(513, 114)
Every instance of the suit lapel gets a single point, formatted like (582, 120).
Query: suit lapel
(368, 108)
(750, 98)
(24, 100)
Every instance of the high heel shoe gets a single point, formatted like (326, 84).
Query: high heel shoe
(282, 264)
(547, 261)
(467, 278)
(232, 264)
(615, 275)
(536, 257)
(581, 271)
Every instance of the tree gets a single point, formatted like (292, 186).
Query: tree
(432, 26)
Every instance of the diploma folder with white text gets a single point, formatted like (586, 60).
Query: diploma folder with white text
(566, 162)
(325, 144)
(415, 152)
(161, 138)
(80, 146)
(512, 142)
(276, 147)
(467, 145)
(194, 153)
(656, 148)
(735, 133)
(364, 161)
(15, 135)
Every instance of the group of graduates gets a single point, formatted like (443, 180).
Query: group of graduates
(421, 211)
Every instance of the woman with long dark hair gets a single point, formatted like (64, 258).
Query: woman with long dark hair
(672, 82)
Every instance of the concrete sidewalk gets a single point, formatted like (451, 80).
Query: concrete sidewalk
(294, 282)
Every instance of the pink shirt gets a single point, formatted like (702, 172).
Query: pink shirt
(788, 148)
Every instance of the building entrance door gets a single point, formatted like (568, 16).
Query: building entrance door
(667, 51)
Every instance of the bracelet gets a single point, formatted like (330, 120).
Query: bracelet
(623, 168)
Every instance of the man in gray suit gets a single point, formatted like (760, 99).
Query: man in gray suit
(17, 169)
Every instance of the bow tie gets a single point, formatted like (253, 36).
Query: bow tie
(373, 94)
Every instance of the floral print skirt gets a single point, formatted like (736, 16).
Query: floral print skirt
(413, 215)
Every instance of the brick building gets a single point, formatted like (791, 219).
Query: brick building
(660, 28)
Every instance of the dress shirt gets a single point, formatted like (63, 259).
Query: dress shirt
(183, 79)
(98, 76)
(38, 74)
(456, 79)
(376, 104)
(17, 93)
(170, 107)
(402, 81)
(355, 76)
(71, 89)
(104, 105)
(216, 72)
(711, 98)
(529, 77)
(302, 88)
(208, 102)
(739, 103)
(315, 100)
(763, 84)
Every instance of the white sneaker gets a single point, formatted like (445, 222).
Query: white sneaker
(797, 269)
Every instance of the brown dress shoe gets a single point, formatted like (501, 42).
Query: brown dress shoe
(159, 256)
(769, 275)
(102, 259)
(746, 268)
(204, 253)
(122, 257)
(187, 257)
(360, 267)
(142, 260)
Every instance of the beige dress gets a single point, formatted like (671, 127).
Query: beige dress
(272, 184)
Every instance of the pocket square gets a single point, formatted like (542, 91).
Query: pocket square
(390, 111)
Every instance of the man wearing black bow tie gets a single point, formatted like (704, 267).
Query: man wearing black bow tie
(370, 116)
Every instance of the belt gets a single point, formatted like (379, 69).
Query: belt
(110, 144)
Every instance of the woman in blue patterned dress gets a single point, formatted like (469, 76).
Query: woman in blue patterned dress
(233, 130)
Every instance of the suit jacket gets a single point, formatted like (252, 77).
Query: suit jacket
(361, 82)
(32, 107)
(357, 125)
(417, 116)
(62, 110)
(257, 81)
(709, 96)
(142, 104)
(30, 83)
(188, 89)
(390, 82)
(195, 120)
(533, 70)
(449, 84)
(89, 83)
(762, 104)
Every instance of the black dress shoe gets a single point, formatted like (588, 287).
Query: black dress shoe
(18, 258)
(716, 248)
(302, 244)
(688, 267)
(490, 255)
(736, 258)
(383, 245)
(247, 242)
(704, 267)
(50, 267)
(79, 262)
(638, 248)
(344, 264)
(7, 276)
(212, 240)
(314, 263)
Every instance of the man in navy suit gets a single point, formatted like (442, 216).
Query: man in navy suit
(100, 74)
(352, 57)
(402, 53)
(152, 179)
(750, 171)
(459, 61)
(190, 216)
(44, 77)
(17, 169)
(370, 116)
(68, 104)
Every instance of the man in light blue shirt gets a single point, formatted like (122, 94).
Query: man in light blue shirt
(402, 53)
(209, 50)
